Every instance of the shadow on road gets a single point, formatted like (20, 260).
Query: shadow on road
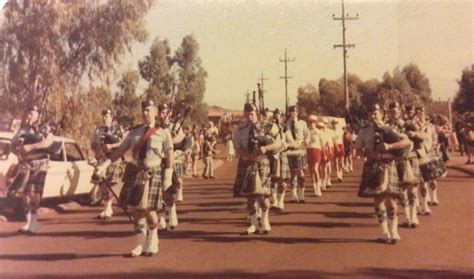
(366, 273)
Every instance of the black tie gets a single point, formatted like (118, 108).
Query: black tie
(143, 148)
(250, 144)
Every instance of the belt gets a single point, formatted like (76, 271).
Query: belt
(141, 166)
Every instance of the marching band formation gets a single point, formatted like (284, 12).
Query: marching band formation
(274, 152)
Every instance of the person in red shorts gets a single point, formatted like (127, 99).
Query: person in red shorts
(338, 135)
(313, 150)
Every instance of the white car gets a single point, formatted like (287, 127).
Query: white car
(68, 175)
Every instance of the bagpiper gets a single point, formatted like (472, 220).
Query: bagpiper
(30, 144)
(174, 193)
(282, 172)
(253, 145)
(407, 164)
(144, 177)
(296, 136)
(381, 145)
(104, 139)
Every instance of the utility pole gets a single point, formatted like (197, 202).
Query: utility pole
(286, 77)
(345, 46)
(261, 91)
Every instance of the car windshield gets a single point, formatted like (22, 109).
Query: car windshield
(5, 149)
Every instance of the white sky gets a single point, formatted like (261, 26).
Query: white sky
(240, 39)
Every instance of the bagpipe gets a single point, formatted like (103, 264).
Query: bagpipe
(31, 138)
(258, 138)
(178, 122)
(386, 134)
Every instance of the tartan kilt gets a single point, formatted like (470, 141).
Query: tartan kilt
(179, 168)
(113, 174)
(296, 162)
(373, 172)
(38, 171)
(284, 167)
(415, 163)
(133, 187)
(263, 170)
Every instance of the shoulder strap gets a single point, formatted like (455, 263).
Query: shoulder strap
(143, 139)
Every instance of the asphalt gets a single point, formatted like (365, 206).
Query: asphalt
(327, 237)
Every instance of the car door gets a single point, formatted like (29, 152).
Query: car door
(57, 178)
(79, 172)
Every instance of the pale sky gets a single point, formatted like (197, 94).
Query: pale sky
(240, 39)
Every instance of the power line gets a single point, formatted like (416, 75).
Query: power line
(345, 46)
(286, 77)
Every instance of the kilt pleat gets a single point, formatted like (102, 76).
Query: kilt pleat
(38, 171)
(242, 166)
(368, 187)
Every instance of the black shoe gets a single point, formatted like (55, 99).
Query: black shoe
(148, 254)
(405, 225)
(394, 241)
(413, 226)
(212, 177)
(301, 201)
(383, 240)
(205, 177)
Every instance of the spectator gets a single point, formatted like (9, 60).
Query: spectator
(208, 154)
(461, 136)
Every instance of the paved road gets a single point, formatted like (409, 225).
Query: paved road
(331, 236)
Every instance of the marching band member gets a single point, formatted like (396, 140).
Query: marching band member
(296, 135)
(253, 170)
(272, 130)
(103, 140)
(32, 155)
(143, 178)
(174, 193)
(338, 135)
(407, 166)
(380, 145)
(348, 150)
(327, 153)
(425, 137)
(313, 149)
(282, 175)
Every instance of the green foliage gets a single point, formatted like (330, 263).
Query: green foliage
(126, 104)
(52, 51)
(162, 71)
(408, 86)
(308, 100)
(464, 100)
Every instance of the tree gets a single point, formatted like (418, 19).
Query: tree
(52, 50)
(464, 100)
(308, 100)
(332, 97)
(192, 78)
(418, 82)
(126, 102)
(155, 68)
